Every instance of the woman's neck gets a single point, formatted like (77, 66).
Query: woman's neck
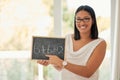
(85, 36)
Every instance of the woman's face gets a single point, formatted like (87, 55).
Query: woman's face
(83, 22)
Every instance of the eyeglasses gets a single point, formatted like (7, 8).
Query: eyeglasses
(84, 20)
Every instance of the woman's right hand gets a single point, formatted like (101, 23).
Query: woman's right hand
(43, 62)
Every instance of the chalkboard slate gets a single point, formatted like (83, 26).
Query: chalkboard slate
(42, 46)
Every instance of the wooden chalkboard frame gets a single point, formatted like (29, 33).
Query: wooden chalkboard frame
(42, 46)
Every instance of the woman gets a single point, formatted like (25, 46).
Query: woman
(84, 51)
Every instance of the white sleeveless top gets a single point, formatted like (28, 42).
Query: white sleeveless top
(79, 57)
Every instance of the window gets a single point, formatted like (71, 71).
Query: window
(19, 21)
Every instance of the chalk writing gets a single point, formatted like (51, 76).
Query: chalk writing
(49, 49)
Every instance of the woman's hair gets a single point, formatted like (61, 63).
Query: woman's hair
(94, 29)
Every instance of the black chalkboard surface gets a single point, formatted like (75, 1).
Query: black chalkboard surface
(42, 46)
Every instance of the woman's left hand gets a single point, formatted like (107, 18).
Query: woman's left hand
(55, 60)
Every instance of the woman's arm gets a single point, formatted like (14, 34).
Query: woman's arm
(93, 63)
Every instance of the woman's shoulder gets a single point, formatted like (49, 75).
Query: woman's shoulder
(102, 41)
(99, 41)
